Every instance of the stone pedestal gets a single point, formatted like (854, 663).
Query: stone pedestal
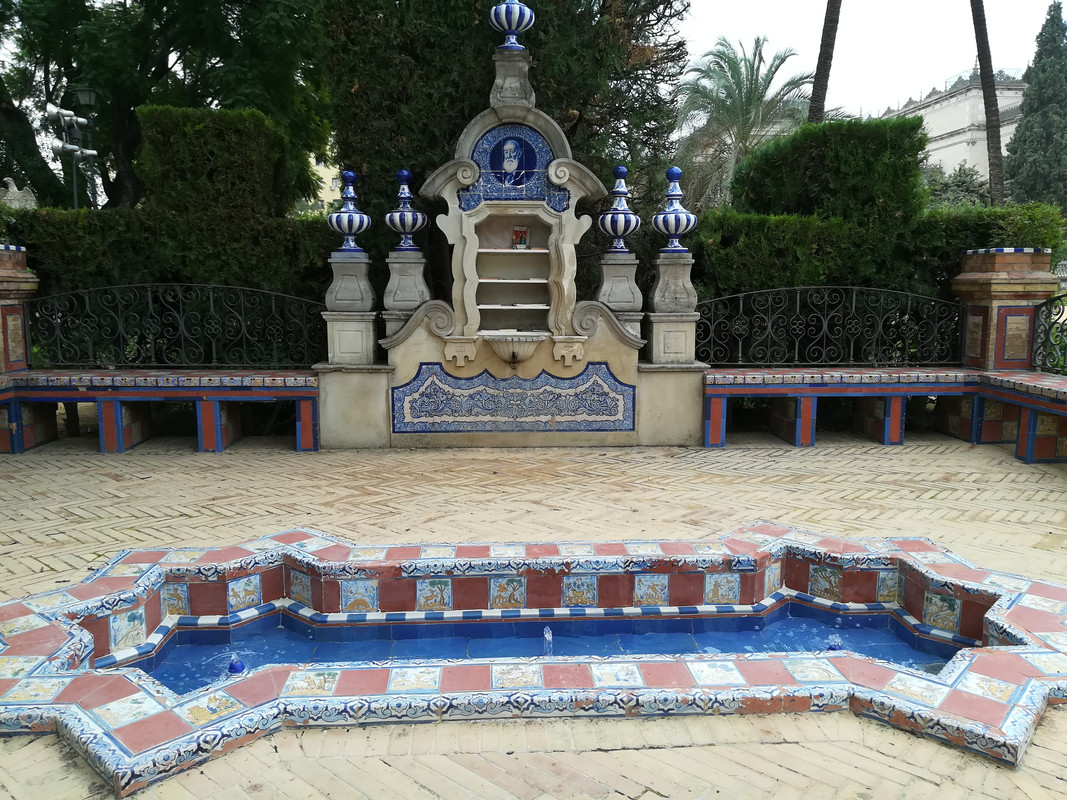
(671, 337)
(407, 289)
(999, 289)
(630, 321)
(351, 336)
(351, 289)
(672, 290)
(618, 285)
(17, 284)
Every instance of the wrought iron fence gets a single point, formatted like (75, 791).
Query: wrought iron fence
(1050, 335)
(175, 325)
(819, 325)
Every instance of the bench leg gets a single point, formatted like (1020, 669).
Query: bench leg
(1042, 437)
(218, 425)
(122, 425)
(307, 426)
(715, 422)
(880, 419)
(26, 425)
(793, 420)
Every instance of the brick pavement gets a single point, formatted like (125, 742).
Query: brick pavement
(64, 508)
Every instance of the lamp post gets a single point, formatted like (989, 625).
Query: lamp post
(69, 126)
(87, 99)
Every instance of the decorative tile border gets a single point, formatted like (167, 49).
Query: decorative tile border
(145, 732)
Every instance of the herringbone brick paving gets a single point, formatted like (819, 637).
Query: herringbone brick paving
(65, 508)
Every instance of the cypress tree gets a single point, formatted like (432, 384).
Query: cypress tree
(1037, 155)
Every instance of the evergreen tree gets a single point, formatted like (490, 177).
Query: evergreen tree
(1037, 154)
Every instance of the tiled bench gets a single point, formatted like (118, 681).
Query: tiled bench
(1026, 408)
(122, 398)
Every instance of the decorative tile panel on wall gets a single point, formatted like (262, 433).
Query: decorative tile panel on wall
(436, 402)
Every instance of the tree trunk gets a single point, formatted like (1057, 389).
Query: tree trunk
(817, 108)
(992, 110)
(21, 141)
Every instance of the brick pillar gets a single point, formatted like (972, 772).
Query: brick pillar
(880, 419)
(793, 419)
(17, 284)
(218, 425)
(1000, 288)
(122, 425)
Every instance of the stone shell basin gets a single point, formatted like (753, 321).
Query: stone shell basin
(514, 347)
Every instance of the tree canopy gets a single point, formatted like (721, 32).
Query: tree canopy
(1036, 165)
(255, 54)
(731, 101)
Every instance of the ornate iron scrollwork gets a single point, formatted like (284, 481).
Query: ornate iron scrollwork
(175, 325)
(818, 325)
(1050, 335)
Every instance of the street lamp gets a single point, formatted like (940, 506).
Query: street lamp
(70, 125)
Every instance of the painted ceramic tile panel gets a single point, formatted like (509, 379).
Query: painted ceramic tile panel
(716, 673)
(621, 675)
(507, 550)
(917, 688)
(576, 550)
(985, 686)
(438, 551)
(367, 553)
(128, 570)
(27, 622)
(1007, 582)
(129, 709)
(507, 592)
(182, 557)
(1043, 604)
(773, 580)
(651, 590)
(433, 594)
(705, 548)
(887, 586)
(643, 549)
(516, 676)
(722, 588)
(1049, 663)
(812, 670)
(825, 582)
(359, 596)
(311, 682)
(33, 690)
(174, 598)
(50, 601)
(244, 593)
(17, 666)
(414, 679)
(127, 629)
(579, 590)
(942, 612)
(208, 708)
(300, 587)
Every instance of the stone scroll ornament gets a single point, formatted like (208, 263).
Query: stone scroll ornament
(620, 221)
(511, 18)
(349, 221)
(674, 221)
(404, 220)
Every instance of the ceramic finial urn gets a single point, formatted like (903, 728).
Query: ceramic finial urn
(404, 219)
(620, 221)
(349, 221)
(674, 221)
(511, 18)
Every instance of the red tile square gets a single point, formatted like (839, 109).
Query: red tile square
(208, 599)
(335, 552)
(472, 551)
(291, 537)
(91, 691)
(153, 612)
(1005, 666)
(144, 557)
(615, 591)
(666, 674)
(795, 574)
(544, 591)
(331, 596)
(686, 588)
(261, 687)
(610, 549)
(362, 681)
(760, 705)
(914, 598)
(859, 586)
(971, 706)
(316, 594)
(864, 673)
(403, 553)
(795, 704)
(910, 546)
(98, 628)
(765, 673)
(541, 550)
(751, 586)
(152, 731)
(473, 678)
(38, 642)
(7, 683)
(100, 587)
(271, 585)
(768, 528)
(1051, 592)
(396, 594)
(971, 616)
(567, 676)
(470, 593)
(992, 431)
(1011, 412)
(1034, 620)
(1045, 447)
(961, 571)
(13, 610)
(741, 546)
(677, 548)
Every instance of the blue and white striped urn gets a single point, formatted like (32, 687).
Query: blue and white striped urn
(620, 221)
(674, 221)
(404, 219)
(511, 18)
(349, 221)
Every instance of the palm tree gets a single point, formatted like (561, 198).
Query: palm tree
(817, 109)
(992, 110)
(728, 104)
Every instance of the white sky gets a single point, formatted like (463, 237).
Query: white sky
(886, 51)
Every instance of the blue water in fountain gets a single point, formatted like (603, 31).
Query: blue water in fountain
(193, 662)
